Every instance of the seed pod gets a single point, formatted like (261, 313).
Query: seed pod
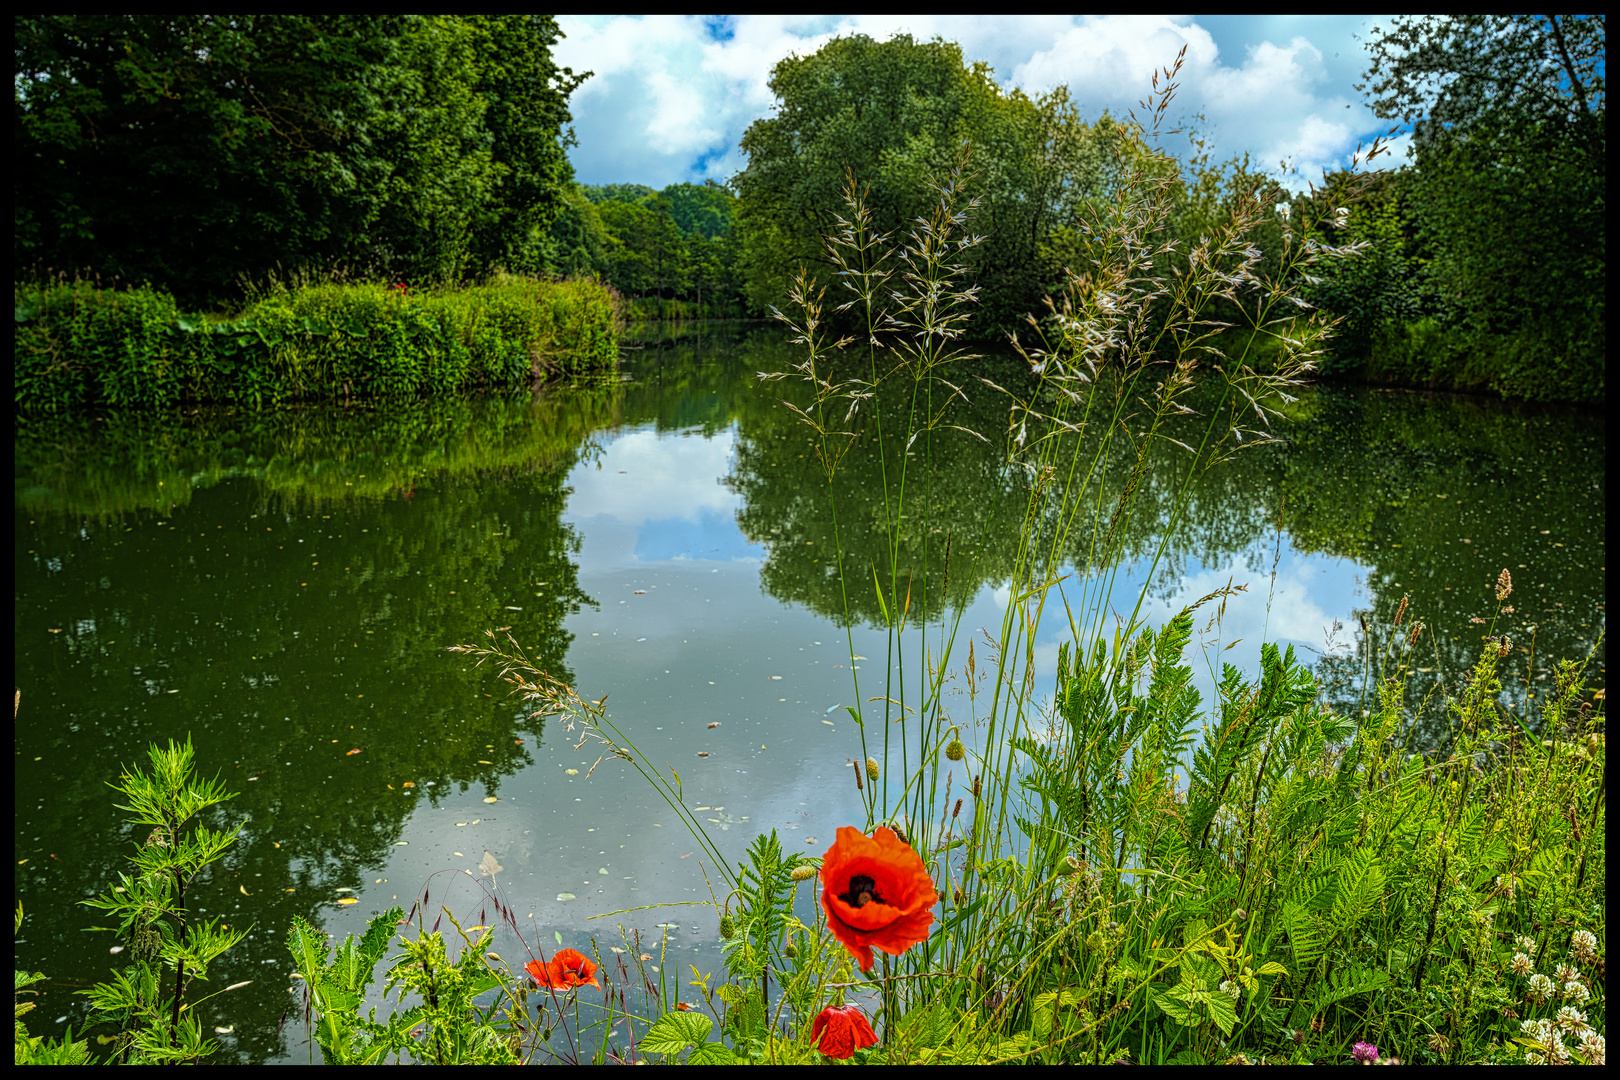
(858, 786)
(956, 811)
(872, 770)
(954, 750)
(728, 926)
(976, 787)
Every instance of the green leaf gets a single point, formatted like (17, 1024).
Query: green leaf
(712, 1054)
(674, 1032)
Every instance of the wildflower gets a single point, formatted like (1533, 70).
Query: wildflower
(1521, 964)
(876, 892)
(567, 970)
(1230, 989)
(1541, 987)
(842, 1031)
(1565, 974)
(1364, 1053)
(1582, 946)
(1504, 584)
(1576, 992)
(1592, 1048)
(1525, 944)
(1571, 1019)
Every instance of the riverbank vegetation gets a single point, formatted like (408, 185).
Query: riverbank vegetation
(77, 346)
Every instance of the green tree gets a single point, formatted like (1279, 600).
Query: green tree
(197, 150)
(893, 114)
(1510, 147)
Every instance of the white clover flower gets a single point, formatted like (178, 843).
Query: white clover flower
(1583, 946)
(1540, 986)
(1565, 974)
(1592, 1048)
(1533, 1058)
(1230, 989)
(1521, 964)
(1570, 1018)
(1576, 992)
(1525, 944)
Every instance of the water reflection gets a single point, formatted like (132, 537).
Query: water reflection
(282, 585)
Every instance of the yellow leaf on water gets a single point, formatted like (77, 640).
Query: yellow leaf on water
(491, 798)
(347, 900)
(243, 890)
(573, 772)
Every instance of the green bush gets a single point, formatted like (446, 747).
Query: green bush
(76, 345)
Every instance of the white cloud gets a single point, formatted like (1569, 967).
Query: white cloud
(672, 95)
(642, 477)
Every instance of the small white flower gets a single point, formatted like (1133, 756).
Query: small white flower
(1565, 974)
(1576, 992)
(1521, 964)
(1583, 946)
(1592, 1048)
(1571, 1019)
(1540, 986)
(1230, 989)
(1525, 944)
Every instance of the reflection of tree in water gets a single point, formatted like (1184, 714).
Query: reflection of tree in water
(1433, 495)
(285, 655)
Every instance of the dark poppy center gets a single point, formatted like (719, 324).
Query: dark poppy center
(862, 891)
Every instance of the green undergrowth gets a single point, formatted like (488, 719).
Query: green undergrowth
(77, 346)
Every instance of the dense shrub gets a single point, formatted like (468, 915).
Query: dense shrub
(76, 345)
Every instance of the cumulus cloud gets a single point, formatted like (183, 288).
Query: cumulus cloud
(672, 95)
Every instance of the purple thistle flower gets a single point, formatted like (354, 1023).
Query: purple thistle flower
(1364, 1053)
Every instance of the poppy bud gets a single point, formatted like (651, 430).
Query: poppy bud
(954, 750)
(872, 770)
(790, 950)
(803, 873)
(1240, 915)
(728, 926)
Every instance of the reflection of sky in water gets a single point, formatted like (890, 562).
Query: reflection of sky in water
(742, 696)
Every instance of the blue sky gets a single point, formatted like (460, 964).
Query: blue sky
(672, 94)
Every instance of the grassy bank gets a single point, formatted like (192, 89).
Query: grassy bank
(78, 346)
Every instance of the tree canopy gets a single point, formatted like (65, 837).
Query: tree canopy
(198, 150)
(894, 115)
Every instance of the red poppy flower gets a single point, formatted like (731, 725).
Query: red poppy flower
(876, 892)
(566, 971)
(842, 1031)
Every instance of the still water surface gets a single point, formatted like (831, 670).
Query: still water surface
(283, 586)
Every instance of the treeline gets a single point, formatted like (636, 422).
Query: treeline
(202, 153)
(671, 254)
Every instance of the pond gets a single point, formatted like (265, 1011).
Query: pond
(283, 587)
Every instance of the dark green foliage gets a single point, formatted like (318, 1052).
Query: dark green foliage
(1488, 265)
(77, 346)
(199, 151)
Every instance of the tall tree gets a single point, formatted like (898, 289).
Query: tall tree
(1510, 145)
(197, 150)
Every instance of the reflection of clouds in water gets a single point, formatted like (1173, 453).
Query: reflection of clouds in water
(644, 476)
